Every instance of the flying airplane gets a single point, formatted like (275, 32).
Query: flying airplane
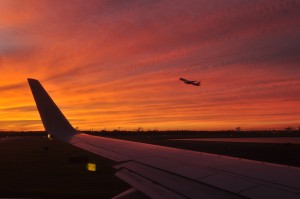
(163, 172)
(195, 83)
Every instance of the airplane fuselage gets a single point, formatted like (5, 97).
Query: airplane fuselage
(194, 83)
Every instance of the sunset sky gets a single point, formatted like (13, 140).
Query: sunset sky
(110, 64)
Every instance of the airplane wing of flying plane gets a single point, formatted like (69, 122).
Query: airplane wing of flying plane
(163, 172)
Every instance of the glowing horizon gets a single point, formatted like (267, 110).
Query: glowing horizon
(111, 64)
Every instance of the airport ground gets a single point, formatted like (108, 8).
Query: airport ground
(33, 166)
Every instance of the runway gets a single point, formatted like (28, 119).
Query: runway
(274, 140)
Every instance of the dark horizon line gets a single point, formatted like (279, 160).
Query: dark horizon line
(145, 131)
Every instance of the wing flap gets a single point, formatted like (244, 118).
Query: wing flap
(159, 183)
(265, 191)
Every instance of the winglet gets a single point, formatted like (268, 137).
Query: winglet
(55, 123)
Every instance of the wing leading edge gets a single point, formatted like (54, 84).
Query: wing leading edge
(163, 172)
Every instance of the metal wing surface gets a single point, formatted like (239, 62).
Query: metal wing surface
(163, 172)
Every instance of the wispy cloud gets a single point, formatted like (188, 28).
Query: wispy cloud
(117, 63)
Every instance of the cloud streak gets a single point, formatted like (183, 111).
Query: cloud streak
(112, 64)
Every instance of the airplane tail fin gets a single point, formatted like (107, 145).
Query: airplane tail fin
(55, 123)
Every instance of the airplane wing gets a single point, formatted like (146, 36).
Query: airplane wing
(196, 83)
(163, 172)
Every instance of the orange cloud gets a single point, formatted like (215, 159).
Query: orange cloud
(111, 64)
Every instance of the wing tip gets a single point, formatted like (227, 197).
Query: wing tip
(32, 80)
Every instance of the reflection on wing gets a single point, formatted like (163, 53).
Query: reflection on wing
(163, 172)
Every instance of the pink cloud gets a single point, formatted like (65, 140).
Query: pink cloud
(110, 63)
